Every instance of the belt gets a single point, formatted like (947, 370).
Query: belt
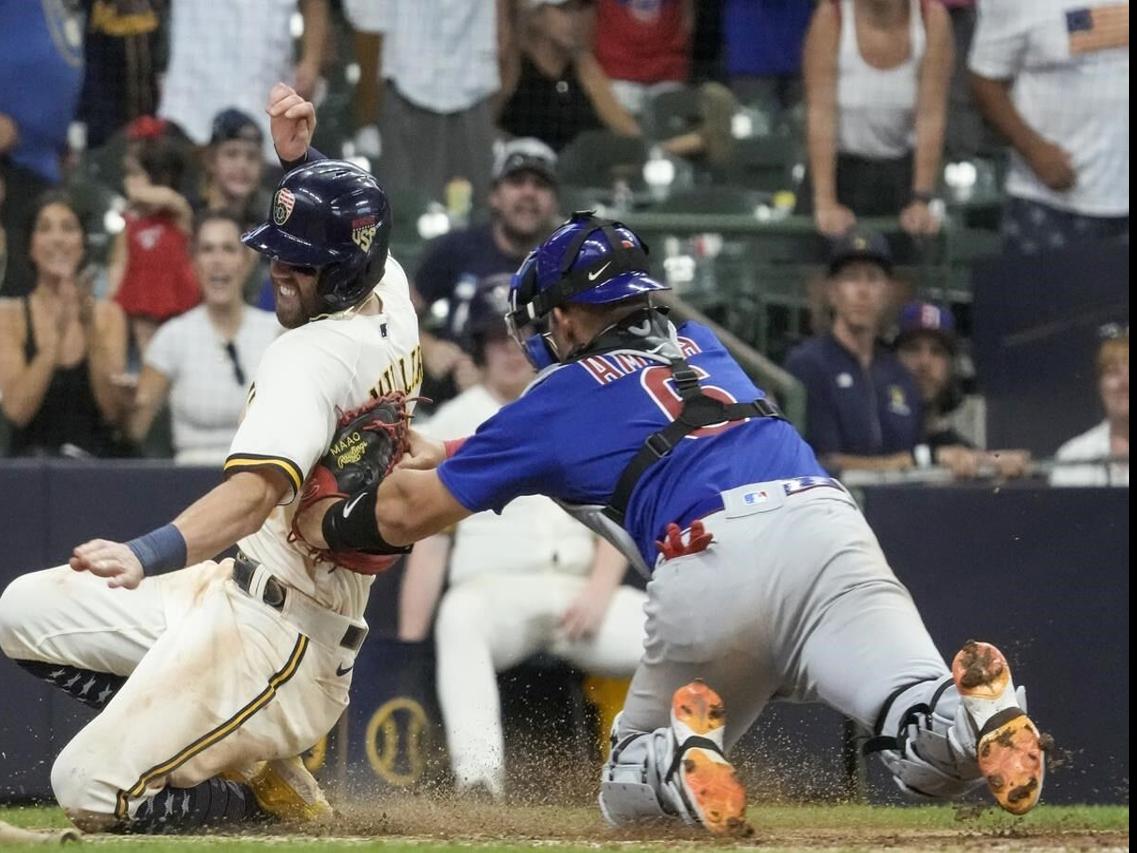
(319, 623)
(788, 486)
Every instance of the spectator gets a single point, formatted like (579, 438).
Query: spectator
(234, 168)
(41, 71)
(226, 54)
(1105, 448)
(862, 407)
(763, 46)
(1052, 76)
(523, 205)
(554, 88)
(61, 349)
(150, 272)
(123, 52)
(926, 345)
(876, 83)
(532, 579)
(439, 62)
(644, 46)
(204, 360)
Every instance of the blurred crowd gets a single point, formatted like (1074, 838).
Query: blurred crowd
(134, 150)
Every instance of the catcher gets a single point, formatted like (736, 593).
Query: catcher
(212, 676)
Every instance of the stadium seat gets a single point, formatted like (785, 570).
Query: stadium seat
(600, 157)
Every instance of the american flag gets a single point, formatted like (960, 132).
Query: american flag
(1095, 28)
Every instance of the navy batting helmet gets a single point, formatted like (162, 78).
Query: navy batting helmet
(333, 217)
(587, 260)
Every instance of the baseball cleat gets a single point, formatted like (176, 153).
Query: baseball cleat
(1009, 748)
(286, 790)
(708, 781)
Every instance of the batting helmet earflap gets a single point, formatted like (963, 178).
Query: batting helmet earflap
(334, 217)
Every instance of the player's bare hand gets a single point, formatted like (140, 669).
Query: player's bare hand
(292, 121)
(111, 560)
(583, 618)
(425, 454)
(1053, 165)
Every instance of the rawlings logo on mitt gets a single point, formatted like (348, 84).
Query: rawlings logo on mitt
(367, 444)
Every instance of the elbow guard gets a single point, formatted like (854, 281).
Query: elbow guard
(349, 525)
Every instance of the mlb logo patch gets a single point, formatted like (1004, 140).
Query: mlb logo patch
(753, 498)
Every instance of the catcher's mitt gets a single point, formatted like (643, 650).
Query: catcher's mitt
(366, 445)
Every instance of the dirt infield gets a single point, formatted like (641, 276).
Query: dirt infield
(774, 827)
(428, 824)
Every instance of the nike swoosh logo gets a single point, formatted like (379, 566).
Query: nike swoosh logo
(340, 670)
(592, 276)
(347, 507)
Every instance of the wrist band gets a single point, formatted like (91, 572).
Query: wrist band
(160, 550)
(926, 196)
(454, 445)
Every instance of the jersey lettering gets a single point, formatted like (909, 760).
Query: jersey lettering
(660, 386)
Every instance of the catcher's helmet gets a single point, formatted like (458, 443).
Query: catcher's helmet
(587, 260)
(334, 217)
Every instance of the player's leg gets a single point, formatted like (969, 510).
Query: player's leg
(703, 680)
(70, 629)
(860, 646)
(230, 684)
(617, 646)
(485, 624)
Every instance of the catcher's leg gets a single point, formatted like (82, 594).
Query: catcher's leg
(230, 684)
(867, 653)
(668, 744)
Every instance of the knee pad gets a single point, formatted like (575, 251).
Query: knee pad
(931, 756)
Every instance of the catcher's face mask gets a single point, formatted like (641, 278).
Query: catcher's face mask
(530, 332)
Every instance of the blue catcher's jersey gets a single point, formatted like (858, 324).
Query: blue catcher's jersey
(575, 429)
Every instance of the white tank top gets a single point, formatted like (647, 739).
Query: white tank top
(876, 108)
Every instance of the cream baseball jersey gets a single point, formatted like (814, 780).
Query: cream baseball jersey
(306, 378)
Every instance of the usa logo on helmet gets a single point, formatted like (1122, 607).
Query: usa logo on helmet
(282, 205)
(363, 231)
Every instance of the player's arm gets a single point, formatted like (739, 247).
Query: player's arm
(421, 587)
(233, 510)
(585, 615)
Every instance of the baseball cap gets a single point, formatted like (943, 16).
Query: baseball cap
(860, 246)
(526, 155)
(234, 124)
(923, 318)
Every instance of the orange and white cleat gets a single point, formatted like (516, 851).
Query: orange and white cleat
(1009, 749)
(709, 784)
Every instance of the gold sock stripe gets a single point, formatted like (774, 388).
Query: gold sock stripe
(222, 731)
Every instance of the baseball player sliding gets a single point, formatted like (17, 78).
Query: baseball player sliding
(766, 581)
(213, 676)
